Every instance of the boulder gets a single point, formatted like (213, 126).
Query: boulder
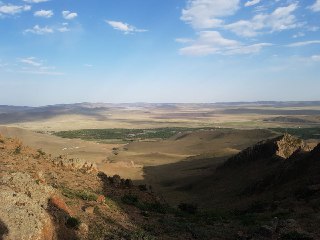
(23, 208)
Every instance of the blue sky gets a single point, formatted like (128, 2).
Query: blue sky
(158, 51)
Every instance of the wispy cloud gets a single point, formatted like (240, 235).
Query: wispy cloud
(248, 49)
(316, 6)
(31, 61)
(32, 65)
(316, 58)
(44, 13)
(212, 42)
(69, 15)
(299, 34)
(251, 3)
(183, 40)
(280, 19)
(63, 29)
(203, 14)
(10, 9)
(124, 27)
(304, 43)
(2, 64)
(39, 30)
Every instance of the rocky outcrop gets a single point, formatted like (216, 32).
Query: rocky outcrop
(75, 164)
(23, 208)
(281, 147)
(288, 145)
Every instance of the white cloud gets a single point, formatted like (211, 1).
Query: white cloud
(212, 42)
(13, 9)
(316, 58)
(88, 65)
(280, 19)
(305, 43)
(31, 61)
(39, 30)
(313, 28)
(2, 64)
(124, 27)
(183, 40)
(35, 1)
(249, 49)
(44, 13)
(207, 13)
(251, 3)
(316, 6)
(63, 29)
(299, 34)
(69, 15)
(32, 65)
(208, 42)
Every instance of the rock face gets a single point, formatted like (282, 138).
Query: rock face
(283, 147)
(75, 164)
(23, 208)
(288, 145)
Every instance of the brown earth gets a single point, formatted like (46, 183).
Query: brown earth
(268, 191)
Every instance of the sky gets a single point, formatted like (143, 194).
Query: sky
(121, 51)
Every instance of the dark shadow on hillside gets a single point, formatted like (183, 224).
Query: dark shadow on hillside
(117, 189)
(43, 113)
(177, 182)
(60, 217)
(3, 230)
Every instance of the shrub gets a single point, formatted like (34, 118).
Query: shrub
(129, 199)
(128, 183)
(188, 208)
(153, 207)
(17, 150)
(73, 222)
(87, 196)
(116, 180)
(143, 187)
(42, 153)
(84, 195)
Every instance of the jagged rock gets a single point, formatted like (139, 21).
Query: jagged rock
(287, 145)
(23, 208)
(283, 146)
(75, 164)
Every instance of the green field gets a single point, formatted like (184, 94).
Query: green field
(125, 135)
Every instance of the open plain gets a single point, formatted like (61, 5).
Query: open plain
(167, 146)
